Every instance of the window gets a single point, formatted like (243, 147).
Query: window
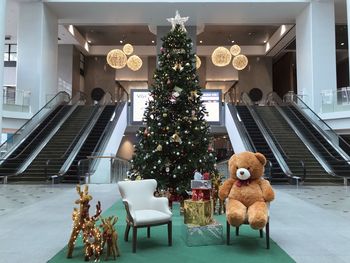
(10, 55)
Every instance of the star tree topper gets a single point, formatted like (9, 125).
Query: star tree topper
(178, 20)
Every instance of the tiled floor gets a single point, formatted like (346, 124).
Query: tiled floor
(310, 223)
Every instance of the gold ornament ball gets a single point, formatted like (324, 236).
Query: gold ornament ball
(198, 62)
(240, 62)
(116, 59)
(235, 50)
(221, 57)
(128, 49)
(134, 62)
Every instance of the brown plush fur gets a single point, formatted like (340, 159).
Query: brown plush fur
(247, 202)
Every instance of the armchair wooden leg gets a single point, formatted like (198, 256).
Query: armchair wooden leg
(148, 231)
(261, 233)
(134, 238)
(170, 233)
(268, 235)
(227, 233)
(126, 234)
(237, 230)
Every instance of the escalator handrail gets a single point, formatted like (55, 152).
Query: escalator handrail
(79, 135)
(83, 132)
(242, 129)
(318, 128)
(36, 114)
(280, 148)
(100, 145)
(73, 100)
(247, 102)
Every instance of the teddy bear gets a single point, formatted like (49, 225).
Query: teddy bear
(246, 190)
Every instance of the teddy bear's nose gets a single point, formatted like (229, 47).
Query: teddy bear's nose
(241, 172)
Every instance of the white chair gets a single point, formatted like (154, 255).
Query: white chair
(143, 209)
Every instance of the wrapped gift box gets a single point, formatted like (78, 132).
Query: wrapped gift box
(203, 235)
(200, 184)
(198, 213)
(201, 194)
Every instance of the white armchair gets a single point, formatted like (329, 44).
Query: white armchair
(143, 208)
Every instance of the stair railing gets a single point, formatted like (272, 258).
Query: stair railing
(24, 131)
(232, 93)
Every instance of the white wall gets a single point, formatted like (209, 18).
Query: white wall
(65, 68)
(10, 76)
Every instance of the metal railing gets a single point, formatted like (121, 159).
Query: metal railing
(15, 99)
(10, 144)
(118, 168)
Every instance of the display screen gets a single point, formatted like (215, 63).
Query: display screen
(211, 100)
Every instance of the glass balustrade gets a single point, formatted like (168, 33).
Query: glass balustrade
(336, 100)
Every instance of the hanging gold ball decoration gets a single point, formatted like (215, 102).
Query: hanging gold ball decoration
(235, 50)
(116, 59)
(221, 57)
(134, 63)
(240, 62)
(128, 49)
(198, 62)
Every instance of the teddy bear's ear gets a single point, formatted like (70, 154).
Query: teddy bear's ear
(261, 158)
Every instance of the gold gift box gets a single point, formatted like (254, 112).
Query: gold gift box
(198, 212)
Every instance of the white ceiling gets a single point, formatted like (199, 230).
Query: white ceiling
(155, 12)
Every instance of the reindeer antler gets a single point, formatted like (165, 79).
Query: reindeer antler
(98, 211)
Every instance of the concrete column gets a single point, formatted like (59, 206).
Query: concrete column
(2, 43)
(316, 62)
(348, 24)
(37, 52)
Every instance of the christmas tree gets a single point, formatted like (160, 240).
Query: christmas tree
(175, 141)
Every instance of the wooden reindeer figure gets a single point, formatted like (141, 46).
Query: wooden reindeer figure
(110, 236)
(79, 216)
(92, 236)
(216, 182)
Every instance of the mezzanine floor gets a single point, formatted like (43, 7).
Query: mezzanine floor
(312, 223)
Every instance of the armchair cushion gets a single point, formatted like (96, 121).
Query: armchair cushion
(147, 217)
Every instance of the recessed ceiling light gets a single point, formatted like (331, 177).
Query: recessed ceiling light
(121, 41)
(265, 41)
(342, 43)
(232, 41)
(89, 41)
(152, 41)
(200, 41)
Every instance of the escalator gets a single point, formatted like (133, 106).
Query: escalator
(260, 143)
(16, 159)
(58, 147)
(323, 146)
(71, 176)
(293, 146)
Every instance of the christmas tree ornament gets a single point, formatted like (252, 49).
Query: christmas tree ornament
(174, 176)
(159, 161)
(159, 148)
(167, 169)
(178, 20)
(165, 115)
(176, 138)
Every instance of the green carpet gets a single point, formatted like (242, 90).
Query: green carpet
(248, 247)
